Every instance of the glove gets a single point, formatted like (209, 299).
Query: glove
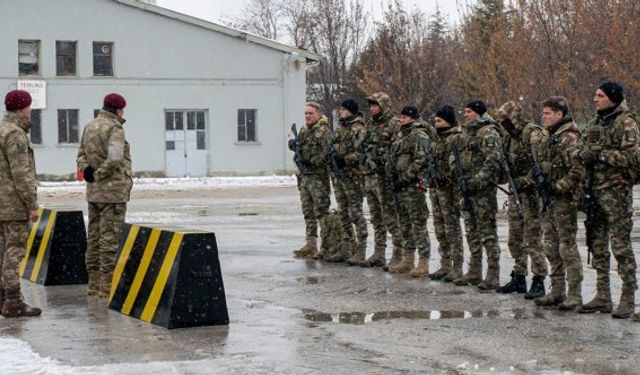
(473, 184)
(562, 186)
(292, 144)
(88, 174)
(587, 155)
(522, 183)
(407, 178)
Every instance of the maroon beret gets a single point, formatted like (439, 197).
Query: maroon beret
(16, 100)
(115, 101)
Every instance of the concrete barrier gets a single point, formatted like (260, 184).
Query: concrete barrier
(168, 277)
(56, 247)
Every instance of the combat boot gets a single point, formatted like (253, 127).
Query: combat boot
(95, 280)
(358, 256)
(636, 317)
(105, 286)
(14, 306)
(396, 258)
(574, 297)
(309, 248)
(377, 259)
(518, 284)
(455, 273)
(422, 269)
(473, 276)
(318, 255)
(405, 265)
(557, 295)
(537, 289)
(492, 281)
(601, 302)
(342, 255)
(445, 268)
(627, 304)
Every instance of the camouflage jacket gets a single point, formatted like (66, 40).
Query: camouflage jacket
(518, 152)
(617, 138)
(441, 149)
(313, 139)
(559, 156)
(103, 147)
(408, 150)
(480, 153)
(18, 184)
(380, 132)
(348, 141)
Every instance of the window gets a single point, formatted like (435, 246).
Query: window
(102, 59)
(65, 58)
(247, 125)
(28, 57)
(195, 121)
(68, 126)
(36, 127)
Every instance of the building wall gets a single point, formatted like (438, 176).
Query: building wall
(159, 63)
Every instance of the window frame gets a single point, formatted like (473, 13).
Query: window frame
(68, 127)
(64, 65)
(36, 114)
(246, 140)
(38, 63)
(111, 54)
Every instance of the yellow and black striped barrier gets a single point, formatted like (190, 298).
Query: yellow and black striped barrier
(168, 277)
(56, 247)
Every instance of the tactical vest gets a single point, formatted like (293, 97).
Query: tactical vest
(312, 145)
(554, 162)
(441, 148)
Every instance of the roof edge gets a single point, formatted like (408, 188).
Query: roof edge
(242, 35)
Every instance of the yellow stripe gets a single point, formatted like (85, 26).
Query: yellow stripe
(32, 236)
(43, 246)
(158, 287)
(142, 271)
(124, 257)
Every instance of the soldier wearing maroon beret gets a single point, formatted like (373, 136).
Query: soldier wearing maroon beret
(18, 200)
(105, 159)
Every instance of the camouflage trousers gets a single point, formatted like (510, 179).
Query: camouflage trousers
(446, 221)
(13, 242)
(480, 225)
(613, 225)
(559, 227)
(413, 221)
(349, 195)
(383, 212)
(105, 223)
(525, 234)
(315, 190)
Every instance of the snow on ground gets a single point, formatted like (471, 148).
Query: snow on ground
(183, 183)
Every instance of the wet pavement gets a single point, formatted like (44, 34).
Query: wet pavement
(302, 316)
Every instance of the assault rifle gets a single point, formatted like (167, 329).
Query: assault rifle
(512, 185)
(331, 156)
(590, 208)
(467, 203)
(297, 157)
(541, 181)
(432, 173)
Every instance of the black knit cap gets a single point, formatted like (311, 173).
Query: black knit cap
(447, 113)
(410, 111)
(613, 90)
(477, 106)
(350, 105)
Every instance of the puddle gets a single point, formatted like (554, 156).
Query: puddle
(364, 318)
(310, 279)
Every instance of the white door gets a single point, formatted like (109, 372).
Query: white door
(186, 143)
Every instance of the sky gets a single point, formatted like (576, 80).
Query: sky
(224, 11)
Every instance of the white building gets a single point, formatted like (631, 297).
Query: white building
(203, 99)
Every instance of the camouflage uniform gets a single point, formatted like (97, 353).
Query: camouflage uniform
(524, 230)
(347, 141)
(314, 182)
(103, 147)
(562, 168)
(18, 197)
(380, 130)
(615, 138)
(445, 202)
(408, 151)
(480, 157)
